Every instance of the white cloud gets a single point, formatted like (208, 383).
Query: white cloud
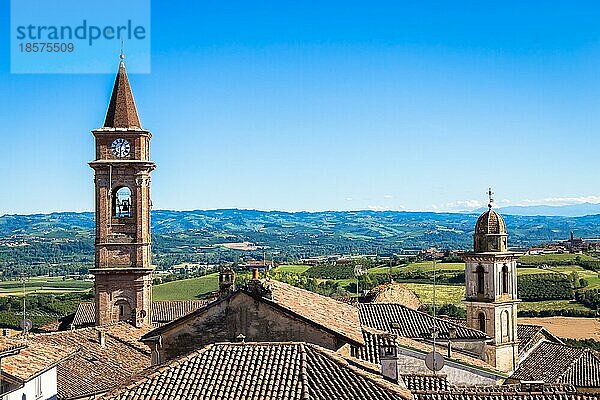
(388, 196)
(560, 201)
(470, 205)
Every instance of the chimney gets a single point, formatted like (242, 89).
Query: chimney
(255, 274)
(451, 335)
(388, 358)
(102, 338)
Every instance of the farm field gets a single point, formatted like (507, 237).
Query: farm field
(444, 294)
(296, 268)
(186, 289)
(552, 305)
(43, 285)
(568, 327)
(550, 258)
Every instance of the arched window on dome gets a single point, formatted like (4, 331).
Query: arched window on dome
(505, 280)
(480, 279)
(481, 320)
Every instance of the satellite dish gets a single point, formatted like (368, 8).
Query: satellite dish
(26, 324)
(359, 270)
(434, 361)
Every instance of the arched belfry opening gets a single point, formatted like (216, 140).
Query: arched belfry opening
(505, 279)
(122, 202)
(122, 310)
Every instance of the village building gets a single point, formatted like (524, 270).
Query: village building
(263, 310)
(29, 370)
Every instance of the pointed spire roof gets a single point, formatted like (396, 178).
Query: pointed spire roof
(121, 110)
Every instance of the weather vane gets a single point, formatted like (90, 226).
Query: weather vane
(490, 194)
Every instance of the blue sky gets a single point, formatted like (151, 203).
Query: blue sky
(346, 105)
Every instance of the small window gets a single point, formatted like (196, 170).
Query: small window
(38, 386)
(505, 277)
(480, 279)
(481, 322)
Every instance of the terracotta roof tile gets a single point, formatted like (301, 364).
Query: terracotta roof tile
(34, 358)
(95, 368)
(558, 363)
(505, 392)
(282, 371)
(162, 311)
(375, 338)
(403, 321)
(530, 335)
(325, 311)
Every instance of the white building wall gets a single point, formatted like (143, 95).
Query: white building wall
(28, 391)
(413, 362)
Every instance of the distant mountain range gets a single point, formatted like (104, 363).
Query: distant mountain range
(570, 210)
(380, 228)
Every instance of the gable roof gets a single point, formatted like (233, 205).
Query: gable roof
(530, 335)
(163, 311)
(322, 310)
(406, 322)
(34, 359)
(96, 368)
(283, 371)
(121, 111)
(557, 363)
(331, 315)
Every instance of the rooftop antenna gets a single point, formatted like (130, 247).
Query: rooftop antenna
(26, 324)
(434, 360)
(490, 194)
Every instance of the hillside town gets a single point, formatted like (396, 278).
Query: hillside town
(266, 339)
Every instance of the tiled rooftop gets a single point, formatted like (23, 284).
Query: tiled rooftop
(530, 335)
(558, 363)
(406, 322)
(253, 371)
(506, 392)
(322, 310)
(162, 311)
(374, 338)
(33, 358)
(95, 368)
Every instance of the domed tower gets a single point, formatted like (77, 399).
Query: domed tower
(491, 289)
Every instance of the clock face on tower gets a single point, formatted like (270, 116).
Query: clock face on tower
(120, 148)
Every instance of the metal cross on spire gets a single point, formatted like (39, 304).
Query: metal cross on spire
(490, 194)
(122, 54)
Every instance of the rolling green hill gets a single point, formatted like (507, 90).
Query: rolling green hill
(63, 242)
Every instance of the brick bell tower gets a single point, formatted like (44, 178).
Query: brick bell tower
(491, 289)
(123, 272)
